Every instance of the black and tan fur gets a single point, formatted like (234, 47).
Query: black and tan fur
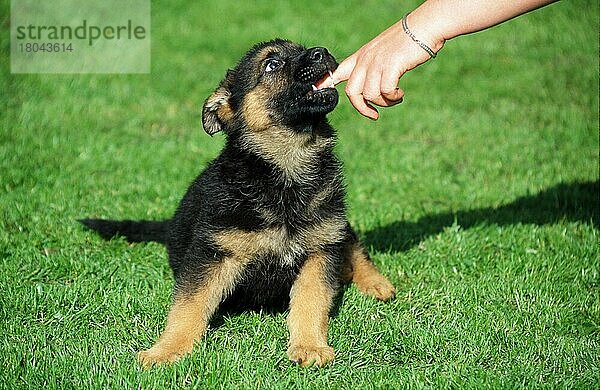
(265, 223)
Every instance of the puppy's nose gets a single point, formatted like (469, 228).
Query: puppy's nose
(316, 54)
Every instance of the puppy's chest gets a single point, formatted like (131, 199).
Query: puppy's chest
(289, 221)
(277, 243)
(296, 208)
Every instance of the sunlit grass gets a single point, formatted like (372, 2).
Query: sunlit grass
(478, 196)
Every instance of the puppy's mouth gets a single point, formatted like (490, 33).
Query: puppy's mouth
(320, 96)
(312, 94)
(325, 82)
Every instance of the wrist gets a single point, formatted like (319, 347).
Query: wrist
(432, 53)
(425, 31)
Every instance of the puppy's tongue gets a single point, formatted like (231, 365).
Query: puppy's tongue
(325, 82)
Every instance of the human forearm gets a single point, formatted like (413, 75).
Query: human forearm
(373, 70)
(436, 21)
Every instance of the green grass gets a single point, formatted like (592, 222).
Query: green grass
(478, 196)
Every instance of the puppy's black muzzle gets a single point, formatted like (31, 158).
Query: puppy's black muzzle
(316, 54)
(305, 100)
(314, 64)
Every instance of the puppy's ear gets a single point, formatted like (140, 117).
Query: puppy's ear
(217, 111)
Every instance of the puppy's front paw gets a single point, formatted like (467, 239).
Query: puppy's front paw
(160, 354)
(306, 356)
(380, 288)
(376, 285)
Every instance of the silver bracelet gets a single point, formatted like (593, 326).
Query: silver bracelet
(418, 42)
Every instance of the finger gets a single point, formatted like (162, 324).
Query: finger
(371, 87)
(354, 91)
(392, 98)
(371, 92)
(389, 86)
(357, 99)
(344, 70)
(363, 107)
(381, 96)
(382, 101)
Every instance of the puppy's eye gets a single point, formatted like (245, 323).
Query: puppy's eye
(272, 64)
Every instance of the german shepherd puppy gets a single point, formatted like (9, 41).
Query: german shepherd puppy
(265, 223)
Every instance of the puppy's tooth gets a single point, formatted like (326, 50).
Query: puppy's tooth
(314, 88)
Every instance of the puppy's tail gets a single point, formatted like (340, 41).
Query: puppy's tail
(133, 231)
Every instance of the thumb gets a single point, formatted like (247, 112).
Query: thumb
(344, 70)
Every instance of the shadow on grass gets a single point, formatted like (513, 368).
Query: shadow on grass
(228, 310)
(573, 202)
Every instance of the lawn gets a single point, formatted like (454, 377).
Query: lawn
(478, 197)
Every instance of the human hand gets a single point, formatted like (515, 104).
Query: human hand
(374, 70)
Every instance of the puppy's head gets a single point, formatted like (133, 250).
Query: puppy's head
(273, 86)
